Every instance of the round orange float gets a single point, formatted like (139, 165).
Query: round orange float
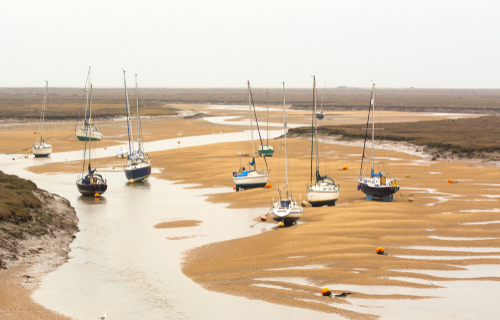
(380, 250)
(326, 292)
(344, 168)
(450, 181)
(268, 185)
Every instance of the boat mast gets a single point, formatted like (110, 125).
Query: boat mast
(373, 119)
(42, 116)
(139, 124)
(267, 142)
(251, 125)
(316, 131)
(312, 131)
(284, 127)
(322, 97)
(88, 127)
(129, 127)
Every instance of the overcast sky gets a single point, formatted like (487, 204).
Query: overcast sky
(430, 44)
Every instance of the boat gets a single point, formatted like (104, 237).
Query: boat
(376, 185)
(40, 147)
(320, 114)
(286, 210)
(324, 191)
(138, 165)
(252, 178)
(90, 183)
(266, 150)
(83, 133)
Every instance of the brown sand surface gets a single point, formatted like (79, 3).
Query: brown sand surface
(178, 224)
(336, 245)
(15, 298)
(343, 238)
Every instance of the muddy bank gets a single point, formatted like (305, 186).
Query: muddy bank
(36, 229)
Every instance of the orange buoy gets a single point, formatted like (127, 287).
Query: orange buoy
(105, 148)
(268, 185)
(131, 181)
(263, 218)
(234, 188)
(326, 292)
(26, 157)
(406, 176)
(178, 142)
(96, 195)
(450, 181)
(281, 224)
(380, 250)
(344, 168)
(34, 132)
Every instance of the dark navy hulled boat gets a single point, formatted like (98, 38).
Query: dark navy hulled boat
(377, 185)
(91, 184)
(138, 166)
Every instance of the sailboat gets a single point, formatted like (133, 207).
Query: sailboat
(319, 114)
(248, 179)
(324, 191)
(377, 185)
(286, 210)
(40, 147)
(266, 150)
(138, 166)
(91, 183)
(81, 133)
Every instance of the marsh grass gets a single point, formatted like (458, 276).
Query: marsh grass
(16, 196)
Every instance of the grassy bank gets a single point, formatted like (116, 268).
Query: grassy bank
(463, 137)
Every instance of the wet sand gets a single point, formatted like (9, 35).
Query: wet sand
(178, 224)
(337, 244)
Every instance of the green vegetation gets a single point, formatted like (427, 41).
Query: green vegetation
(16, 196)
(460, 136)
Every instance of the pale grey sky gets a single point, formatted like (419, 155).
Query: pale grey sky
(442, 44)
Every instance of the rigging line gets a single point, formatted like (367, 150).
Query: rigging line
(366, 135)
(81, 101)
(258, 130)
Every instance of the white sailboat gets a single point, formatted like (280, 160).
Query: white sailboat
(324, 191)
(253, 178)
(40, 147)
(377, 185)
(286, 210)
(138, 166)
(89, 130)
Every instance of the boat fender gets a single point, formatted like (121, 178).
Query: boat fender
(326, 292)
(359, 187)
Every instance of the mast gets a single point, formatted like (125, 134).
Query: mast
(129, 127)
(86, 128)
(90, 121)
(139, 124)
(373, 119)
(42, 116)
(316, 131)
(267, 142)
(251, 125)
(284, 127)
(322, 97)
(312, 131)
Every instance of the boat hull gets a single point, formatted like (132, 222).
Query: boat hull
(138, 172)
(322, 198)
(251, 182)
(267, 151)
(42, 152)
(94, 136)
(288, 216)
(378, 192)
(320, 115)
(91, 189)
